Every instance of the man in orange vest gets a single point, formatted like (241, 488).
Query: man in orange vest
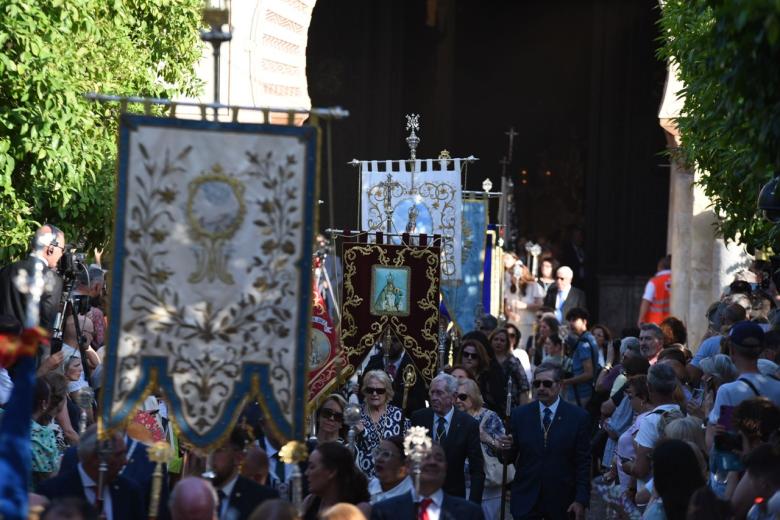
(657, 297)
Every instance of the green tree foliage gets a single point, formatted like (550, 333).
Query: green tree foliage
(57, 150)
(729, 57)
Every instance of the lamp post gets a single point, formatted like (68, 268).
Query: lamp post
(216, 16)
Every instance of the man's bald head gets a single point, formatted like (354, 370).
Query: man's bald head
(193, 498)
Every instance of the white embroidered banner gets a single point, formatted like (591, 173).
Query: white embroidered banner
(211, 283)
(420, 196)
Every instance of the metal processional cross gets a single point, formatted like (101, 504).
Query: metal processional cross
(387, 189)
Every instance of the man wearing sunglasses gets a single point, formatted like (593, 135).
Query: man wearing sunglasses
(550, 446)
(562, 296)
(47, 247)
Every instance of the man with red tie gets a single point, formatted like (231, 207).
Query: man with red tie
(432, 503)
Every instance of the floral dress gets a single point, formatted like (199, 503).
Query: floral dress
(45, 455)
(392, 422)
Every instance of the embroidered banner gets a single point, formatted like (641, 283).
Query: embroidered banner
(395, 287)
(211, 285)
(463, 298)
(417, 197)
(325, 361)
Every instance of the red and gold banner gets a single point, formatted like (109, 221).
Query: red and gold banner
(393, 287)
(324, 359)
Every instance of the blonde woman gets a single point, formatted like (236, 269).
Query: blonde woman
(378, 418)
(469, 400)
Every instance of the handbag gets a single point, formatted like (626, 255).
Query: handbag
(494, 468)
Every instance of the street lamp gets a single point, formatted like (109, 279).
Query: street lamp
(216, 16)
(769, 200)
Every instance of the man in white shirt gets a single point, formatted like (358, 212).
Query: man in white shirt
(745, 342)
(661, 383)
(432, 503)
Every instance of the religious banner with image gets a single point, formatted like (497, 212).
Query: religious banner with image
(395, 288)
(212, 278)
(325, 360)
(417, 197)
(463, 298)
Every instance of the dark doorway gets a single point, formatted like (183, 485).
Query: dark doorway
(579, 81)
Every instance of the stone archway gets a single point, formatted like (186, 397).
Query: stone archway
(264, 65)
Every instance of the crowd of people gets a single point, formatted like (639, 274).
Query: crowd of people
(533, 414)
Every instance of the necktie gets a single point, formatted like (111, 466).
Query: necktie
(279, 470)
(391, 370)
(423, 512)
(221, 495)
(547, 418)
(441, 429)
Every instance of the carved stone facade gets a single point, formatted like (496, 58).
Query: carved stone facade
(264, 65)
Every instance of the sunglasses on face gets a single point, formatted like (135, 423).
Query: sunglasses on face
(463, 397)
(379, 453)
(376, 391)
(327, 413)
(469, 355)
(546, 383)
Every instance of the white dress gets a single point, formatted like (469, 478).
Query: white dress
(523, 318)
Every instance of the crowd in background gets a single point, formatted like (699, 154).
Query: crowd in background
(668, 433)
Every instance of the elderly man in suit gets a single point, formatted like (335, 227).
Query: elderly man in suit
(562, 296)
(121, 497)
(458, 434)
(550, 445)
(432, 501)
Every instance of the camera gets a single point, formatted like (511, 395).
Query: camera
(71, 263)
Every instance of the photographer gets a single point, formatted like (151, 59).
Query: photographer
(48, 246)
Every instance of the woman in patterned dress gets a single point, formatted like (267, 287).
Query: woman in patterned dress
(45, 455)
(378, 418)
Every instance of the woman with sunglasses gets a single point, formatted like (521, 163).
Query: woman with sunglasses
(392, 476)
(474, 357)
(378, 418)
(469, 400)
(330, 419)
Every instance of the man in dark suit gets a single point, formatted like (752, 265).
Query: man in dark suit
(458, 434)
(237, 496)
(47, 247)
(562, 296)
(138, 468)
(431, 498)
(550, 445)
(401, 366)
(122, 498)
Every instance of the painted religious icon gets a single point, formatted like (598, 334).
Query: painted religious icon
(389, 290)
